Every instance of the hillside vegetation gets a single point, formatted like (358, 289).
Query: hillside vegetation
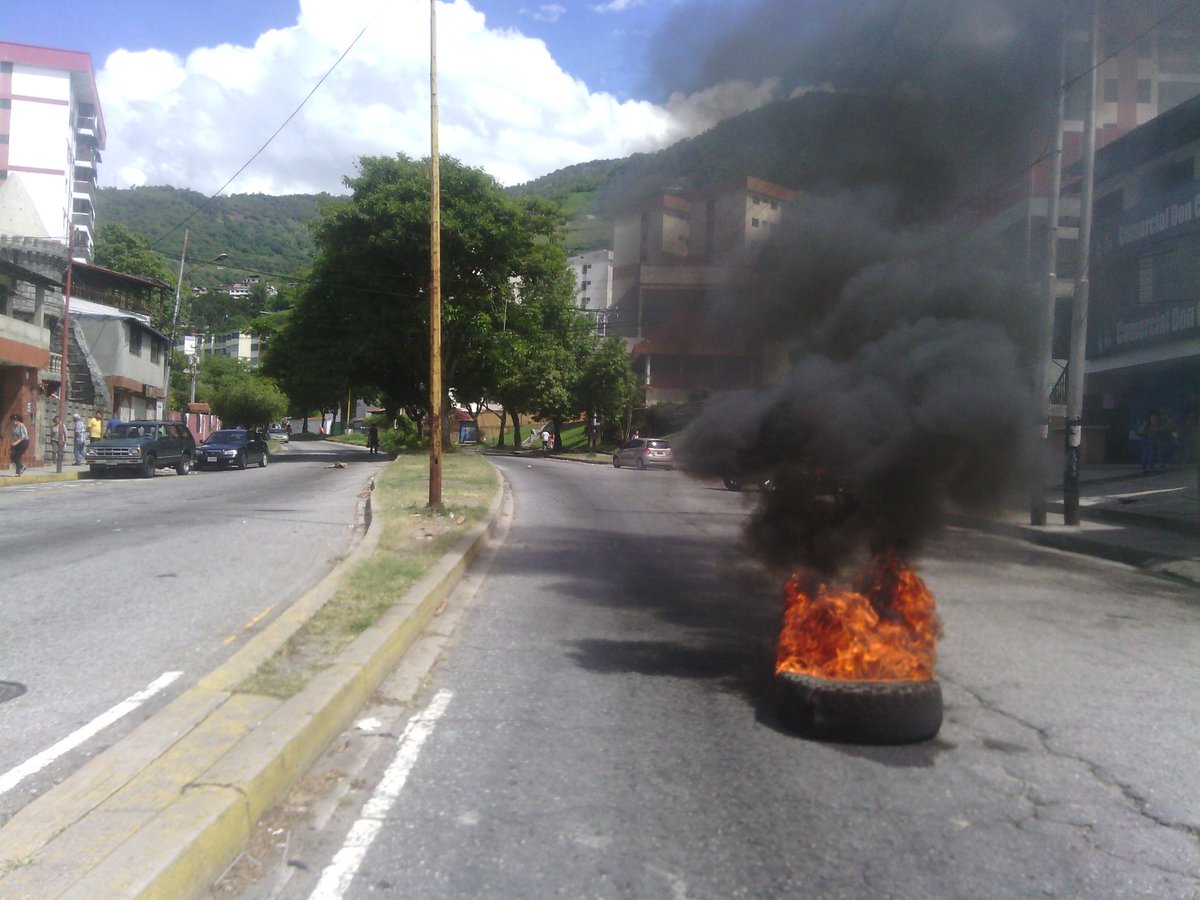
(262, 234)
(800, 142)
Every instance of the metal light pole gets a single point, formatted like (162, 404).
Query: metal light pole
(64, 363)
(1037, 502)
(1079, 302)
(175, 316)
(435, 279)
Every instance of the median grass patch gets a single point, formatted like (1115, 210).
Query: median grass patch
(412, 539)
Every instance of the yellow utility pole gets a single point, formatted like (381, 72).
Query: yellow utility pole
(435, 279)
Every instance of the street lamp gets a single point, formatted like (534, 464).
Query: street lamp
(175, 314)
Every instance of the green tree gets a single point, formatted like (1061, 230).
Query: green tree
(364, 317)
(126, 251)
(250, 401)
(606, 388)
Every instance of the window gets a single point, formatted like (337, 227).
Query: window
(1146, 279)
(1110, 90)
(135, 340)
(155, 351)
(1143, 90)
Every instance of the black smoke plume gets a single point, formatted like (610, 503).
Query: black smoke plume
(908, 392)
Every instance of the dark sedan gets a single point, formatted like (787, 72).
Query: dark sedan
(232, 447)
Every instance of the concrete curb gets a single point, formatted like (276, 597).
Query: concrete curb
(166, 810)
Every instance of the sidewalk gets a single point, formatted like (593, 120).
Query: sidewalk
(1149, 521)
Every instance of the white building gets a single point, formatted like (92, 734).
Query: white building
(593, 279)
(51, 135)
(233, 344)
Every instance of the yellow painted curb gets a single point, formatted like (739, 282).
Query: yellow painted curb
(171, 819)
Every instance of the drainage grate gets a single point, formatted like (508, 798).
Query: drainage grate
(10, 690)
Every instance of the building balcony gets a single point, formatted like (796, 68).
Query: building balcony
(83, 192)
(23, 343)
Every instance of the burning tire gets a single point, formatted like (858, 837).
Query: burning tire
(858, 712)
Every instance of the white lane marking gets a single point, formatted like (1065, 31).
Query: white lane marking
(14, 776)
(336, 878)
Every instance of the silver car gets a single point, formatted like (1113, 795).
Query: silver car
(643, 453)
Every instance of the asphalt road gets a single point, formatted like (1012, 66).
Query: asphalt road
(599, 727)
(111, 586)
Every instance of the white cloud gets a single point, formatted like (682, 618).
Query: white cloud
(505, 104)
(547, 12)
(616, 6)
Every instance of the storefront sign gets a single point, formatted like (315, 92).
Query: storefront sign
(1168, 215)
(1124, 332)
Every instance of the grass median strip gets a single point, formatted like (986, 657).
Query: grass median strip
(411, 541)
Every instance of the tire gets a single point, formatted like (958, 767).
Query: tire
(184, 465)
(858, 712)
(262, 459)
(639, 465)
(240, 461)
(150, 466)
(616, 462)
(732, 484)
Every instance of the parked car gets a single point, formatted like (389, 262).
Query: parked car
(232, 447)
(143, 445)
(278, 433)
(643, 453)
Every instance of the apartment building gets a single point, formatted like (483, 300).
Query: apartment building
(232, 344)
(676, 258)
(51, 137)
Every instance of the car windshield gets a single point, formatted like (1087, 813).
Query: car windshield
(129, 430)
(226, 437)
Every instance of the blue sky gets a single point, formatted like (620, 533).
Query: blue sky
(608, 50)
(191, 90)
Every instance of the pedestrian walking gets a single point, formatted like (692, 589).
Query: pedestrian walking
(80, 432)
(20, 441)
(545, 438)
(114, 421)
(58, 440)
(373, 439)
(95, 427)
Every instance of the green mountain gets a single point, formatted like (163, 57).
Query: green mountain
(799, 142)
(262, 234)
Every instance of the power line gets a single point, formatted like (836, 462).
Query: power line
(1064, 86)
(259, 151)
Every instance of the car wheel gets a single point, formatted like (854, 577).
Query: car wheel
(262, 459)
(240, 461)
(639, 465)
(184, 465)
(732, 484)
(149, 466)
(616, 462)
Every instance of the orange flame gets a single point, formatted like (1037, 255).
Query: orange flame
(884, 629)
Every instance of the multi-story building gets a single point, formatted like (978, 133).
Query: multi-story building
(676, 258)
(233, 344)
(593, 273)
(1143, 352)
(51, 137)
